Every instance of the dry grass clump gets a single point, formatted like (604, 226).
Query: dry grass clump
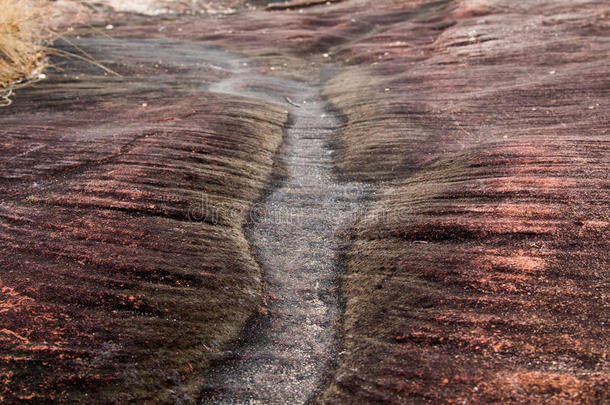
(22, 34)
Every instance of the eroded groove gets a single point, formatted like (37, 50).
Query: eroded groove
(286, 352)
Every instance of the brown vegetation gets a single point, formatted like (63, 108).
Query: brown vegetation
(21, 43)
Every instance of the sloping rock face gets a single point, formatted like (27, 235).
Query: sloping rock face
(124, 264)
(479, 273)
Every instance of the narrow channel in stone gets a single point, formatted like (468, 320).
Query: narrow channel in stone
(287, 352)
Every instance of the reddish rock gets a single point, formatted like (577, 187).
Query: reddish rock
(121, 212)
(479, 273)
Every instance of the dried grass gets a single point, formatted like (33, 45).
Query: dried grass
(22, 37)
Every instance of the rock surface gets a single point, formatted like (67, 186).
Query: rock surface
(124, 263)
(479, 274)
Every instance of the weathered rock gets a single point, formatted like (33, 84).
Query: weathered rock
(479, 274)
(124, 265)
